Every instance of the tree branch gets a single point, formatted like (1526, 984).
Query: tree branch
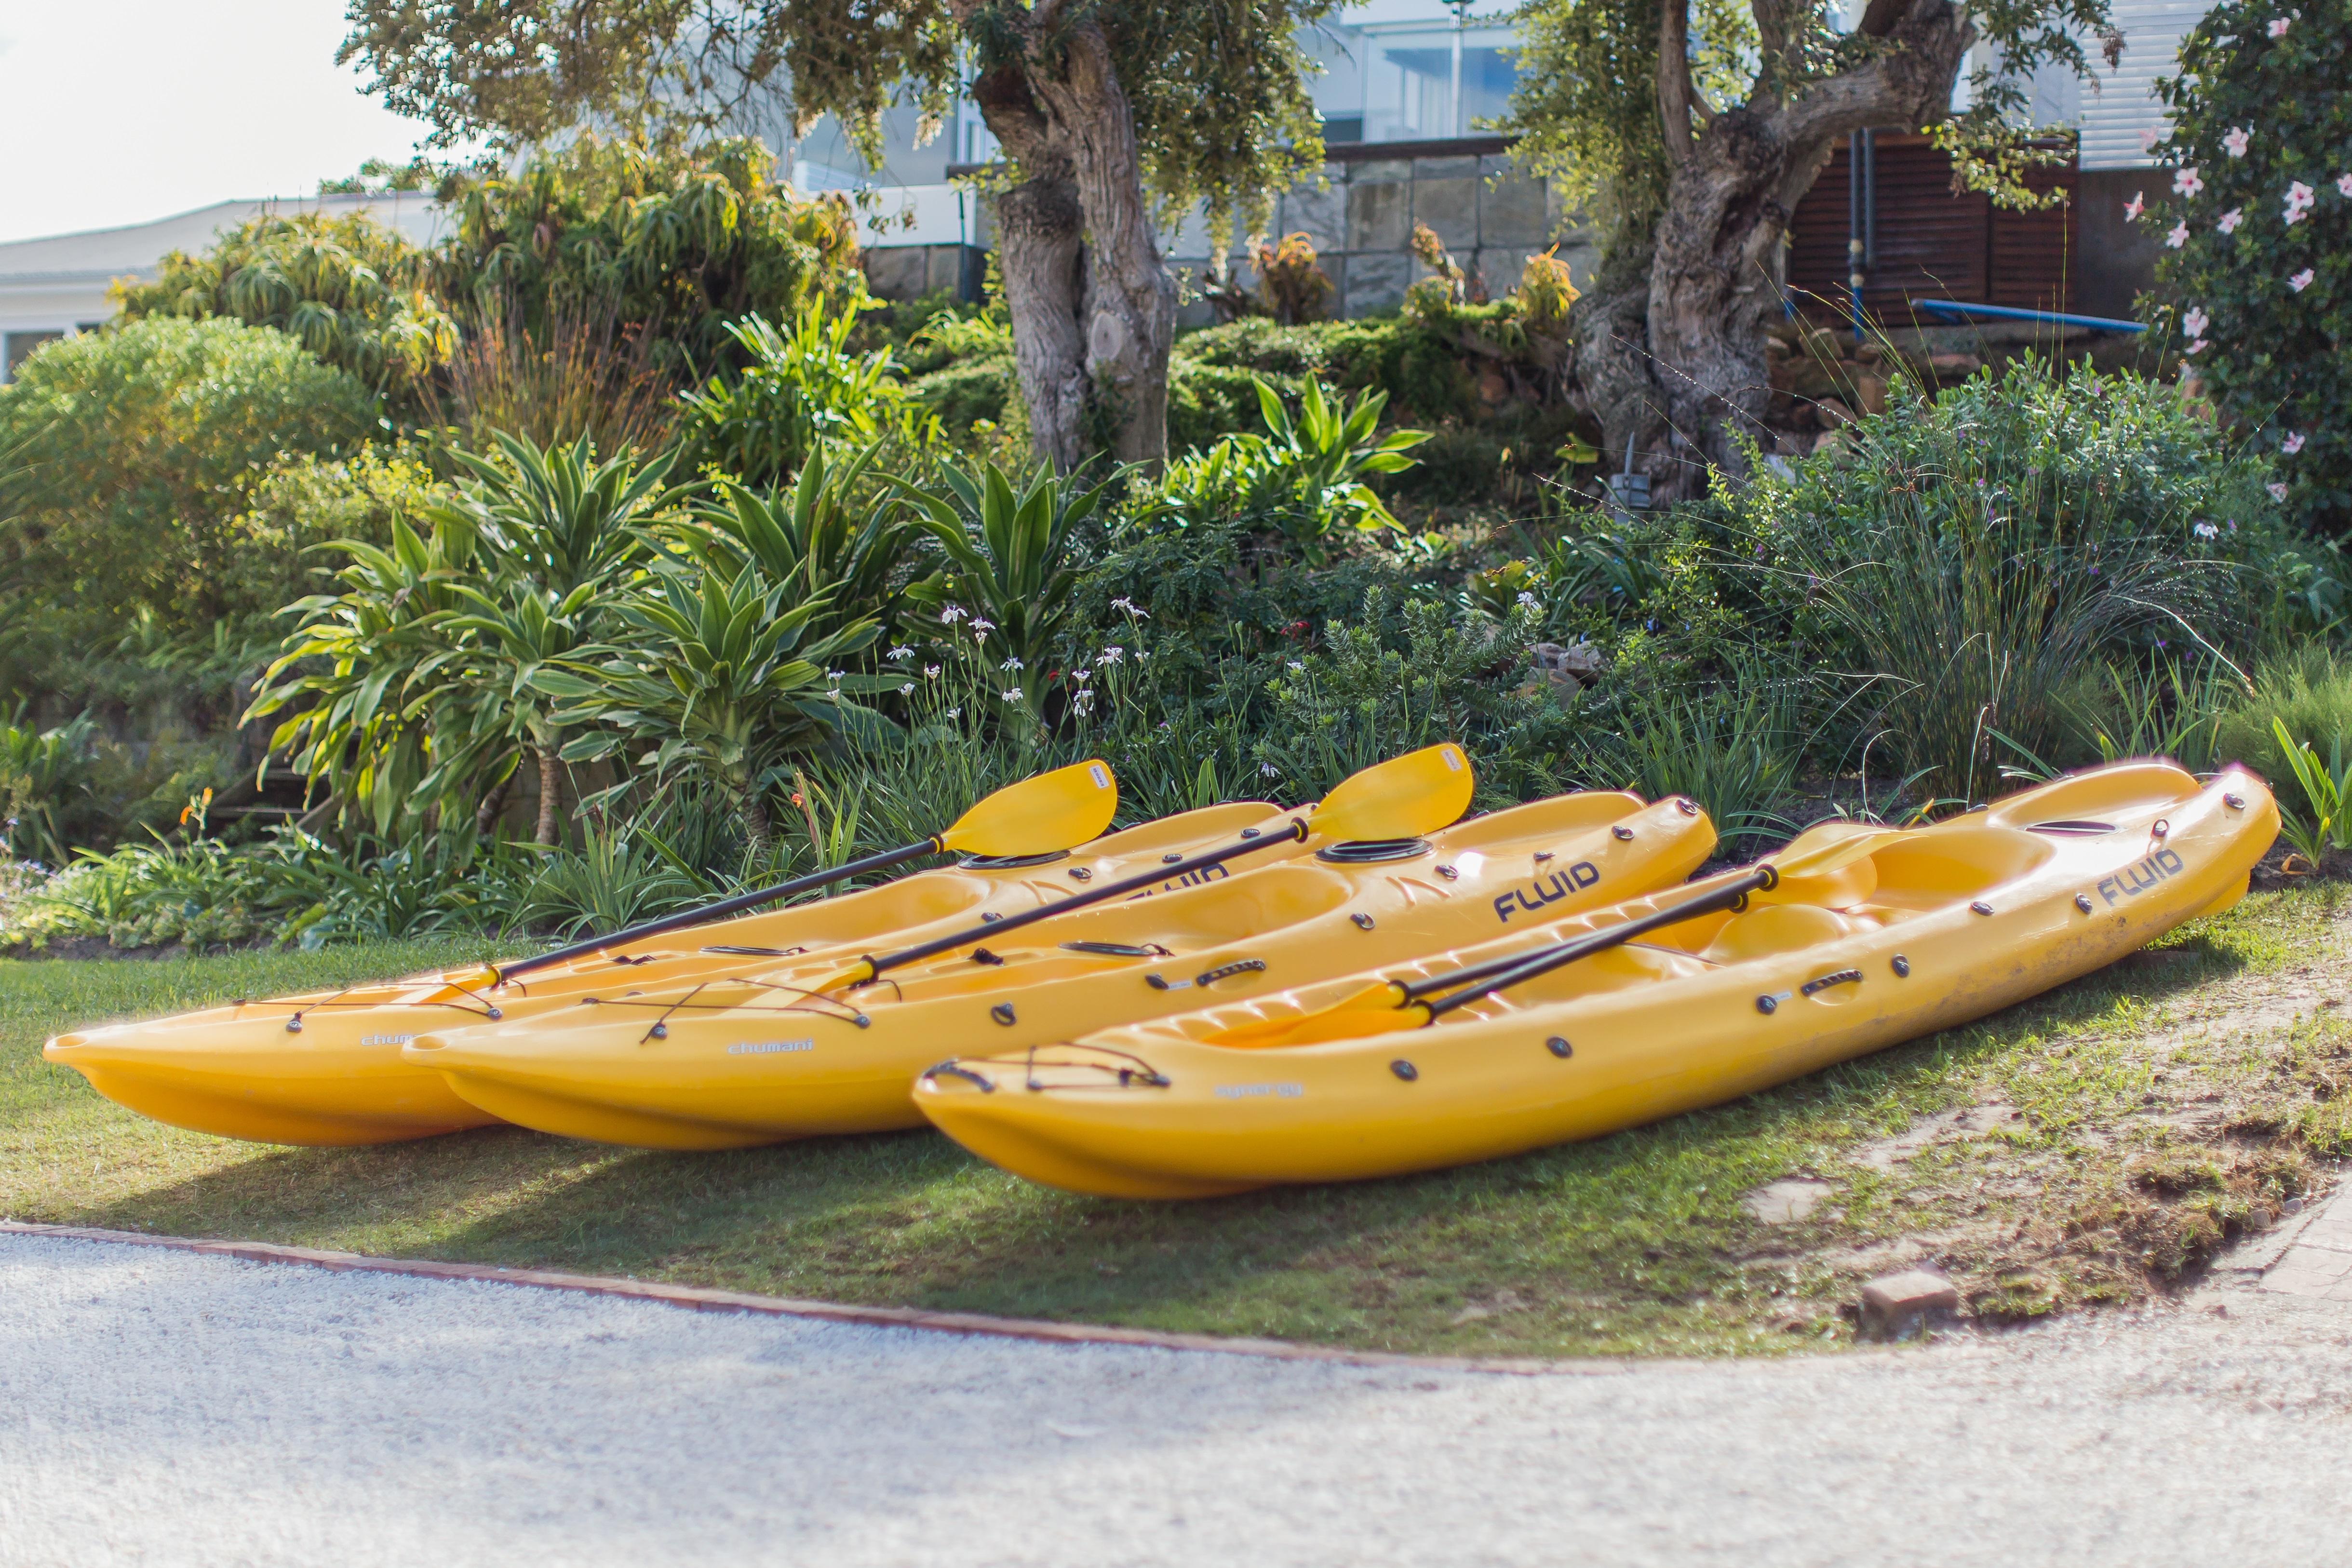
(1677, 98)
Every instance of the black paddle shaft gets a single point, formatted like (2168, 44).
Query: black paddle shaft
(1500, 974)
(882, 860)
(970, 933)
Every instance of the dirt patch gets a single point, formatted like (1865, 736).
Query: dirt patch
(87, 948)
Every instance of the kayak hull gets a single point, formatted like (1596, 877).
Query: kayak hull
(337, 1077)
(783, 1055)
(1957, 922)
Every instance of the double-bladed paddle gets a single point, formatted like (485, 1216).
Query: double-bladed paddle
(1821, 873)
(1056, 810)
(1402, 797)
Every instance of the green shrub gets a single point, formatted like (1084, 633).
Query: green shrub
(965, 394)
(2309, 691)
(1976, 552)
(675, 244)
(45, 791)
(1734, 747)
(355, 292)
(799, 388)
(140, 489)
(2262, 269)
(1303, 479)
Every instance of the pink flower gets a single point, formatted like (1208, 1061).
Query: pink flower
(2232, 219)
(2187, 182)
(2301, 280)
(2195, 346)
(2292, 443)
(2236, 142)
(2139, 205)
(2177, 236)
(2196, 321)
(2278, 492)
(2300, 199)
(2343, 184)
(2278, 26)
(2149, 136)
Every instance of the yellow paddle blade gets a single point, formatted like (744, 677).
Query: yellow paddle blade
(1807, 865)
(1402, 797)
(1056, 810)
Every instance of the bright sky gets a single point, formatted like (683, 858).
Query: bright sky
(120, 112)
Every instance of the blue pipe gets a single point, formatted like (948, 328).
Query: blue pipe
(2011, 313)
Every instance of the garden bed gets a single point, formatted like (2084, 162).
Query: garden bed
(2095, 1146)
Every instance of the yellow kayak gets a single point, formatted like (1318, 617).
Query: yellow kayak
(791, 1052)
(1892, 936)
(325, 1067)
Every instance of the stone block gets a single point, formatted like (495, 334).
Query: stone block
(1321, 215)
(1377, 169)
(1445, 168)
(897, 271)
(1379, 215)
(1376, 281)
(1514, 210)
(1450, 207)
(1894, 1305)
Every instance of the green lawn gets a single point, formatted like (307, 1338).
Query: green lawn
(2132, 1121)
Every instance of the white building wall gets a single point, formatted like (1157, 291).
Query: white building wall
(2117, 116)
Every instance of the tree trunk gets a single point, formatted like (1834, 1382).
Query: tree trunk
(1610, 327)
(550, 794)
(1094, 309)
(1713, 266)
(494, 805)
(757, 832)
(1131, 306)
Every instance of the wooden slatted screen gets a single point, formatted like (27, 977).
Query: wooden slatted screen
(1932, 244)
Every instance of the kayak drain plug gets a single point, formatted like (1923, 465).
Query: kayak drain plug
(1364, 922)
(1902, 967)
(1559, 1048)
(1001, 1012)
(1404, 1070)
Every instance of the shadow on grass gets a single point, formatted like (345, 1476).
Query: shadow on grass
(1640, 1225)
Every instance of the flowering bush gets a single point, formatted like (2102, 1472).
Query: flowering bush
(2259, 258)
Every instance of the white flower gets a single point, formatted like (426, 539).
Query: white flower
(955, 713)
(2206, 531)
(1013, 694)
(1082, 675)
(2149, 136)
(2186, 182)
(2278, 492)
(2136, 207)
(931, 672)
(2196, 321)
(906, 688)
(1268, 770)
(1083, 702)
(2292, 443)
(2278, 26)
(835, 676)
(1132, 612)
(981, 628)
(1528, 601)
(2236, 142)
(2230, 220)
(2178, 236)
(900, 652)
(1111, 654)
(2343, 184)
(1010, 664)
(1296, 665)
(952, 614)
(1143, 653)
(2301, 280)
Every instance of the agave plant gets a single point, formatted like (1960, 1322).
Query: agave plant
(1011, 562)
(556, 516)
(726, 677)
(802, 390)
(361, 671)
(816, 532)
(490, 710)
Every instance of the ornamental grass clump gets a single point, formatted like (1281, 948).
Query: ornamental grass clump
(1974, 553)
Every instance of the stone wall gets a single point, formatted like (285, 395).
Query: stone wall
(1360, 217)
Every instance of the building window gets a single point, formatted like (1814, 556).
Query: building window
(18, 347)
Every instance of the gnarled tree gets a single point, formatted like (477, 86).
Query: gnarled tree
(1114, 116)
(1690, 128)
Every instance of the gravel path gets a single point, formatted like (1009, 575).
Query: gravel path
(171, 1408)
